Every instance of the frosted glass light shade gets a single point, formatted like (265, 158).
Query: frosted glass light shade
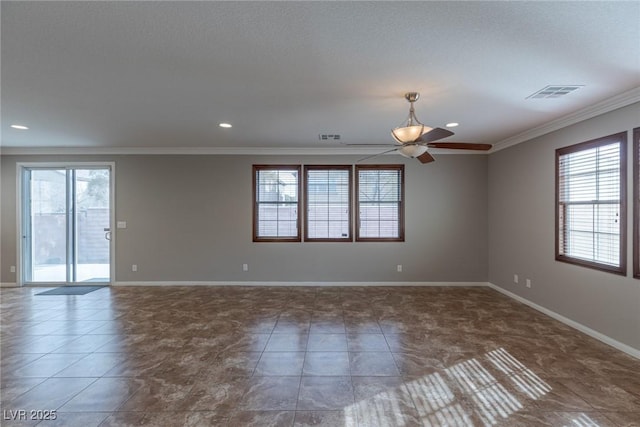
(407, 133)
(412, 151)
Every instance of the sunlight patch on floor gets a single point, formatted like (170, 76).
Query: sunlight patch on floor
(583, 420)
(524, 379)
(437, 404)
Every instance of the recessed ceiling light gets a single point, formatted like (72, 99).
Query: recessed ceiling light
(225, 125)
(452, 124)
(20, 127)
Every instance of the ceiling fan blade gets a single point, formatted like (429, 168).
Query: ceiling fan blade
(376, 155)
(460, 146)
(425, 157)
(374, 145)
(434, 135)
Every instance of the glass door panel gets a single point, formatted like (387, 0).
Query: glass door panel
(48, 225)
(92, 232)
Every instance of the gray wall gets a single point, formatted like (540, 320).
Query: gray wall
(521, 234)
(189, 219)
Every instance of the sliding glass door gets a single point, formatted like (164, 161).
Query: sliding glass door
(66, 231)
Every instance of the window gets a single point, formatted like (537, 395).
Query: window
(328, 203)
(590, 203)
(636, 203)
(380, 203)
(276, 203)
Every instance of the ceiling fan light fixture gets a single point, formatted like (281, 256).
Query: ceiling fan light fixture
(407, 133)
(413, 139)
(411, 129)
(412, 150)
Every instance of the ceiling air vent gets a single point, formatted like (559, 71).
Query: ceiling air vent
(555, 91)
(329, 137)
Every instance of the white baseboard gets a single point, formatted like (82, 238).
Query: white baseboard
(579, 326)
(8, 285)
(297, 284)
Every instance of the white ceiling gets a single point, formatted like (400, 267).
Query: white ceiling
(162, 75)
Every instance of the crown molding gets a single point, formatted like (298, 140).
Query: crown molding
(198, 151)
(622, 100)
(195, 151)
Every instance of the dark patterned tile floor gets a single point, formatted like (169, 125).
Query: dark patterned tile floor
(338, 357)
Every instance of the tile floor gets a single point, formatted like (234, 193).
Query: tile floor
(221, 356)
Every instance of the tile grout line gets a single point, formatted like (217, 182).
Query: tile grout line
(353, 387)
(304, 359)
(415, 406)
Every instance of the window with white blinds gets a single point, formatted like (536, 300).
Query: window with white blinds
(636, 203)
(380, 203)
(328, 203)
(590, 208)
(276, 207)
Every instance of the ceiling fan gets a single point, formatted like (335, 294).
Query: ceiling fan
(413, 139)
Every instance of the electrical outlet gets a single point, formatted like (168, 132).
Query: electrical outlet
(245, 267)
(528, 283)
(134, 267)
(515, 278)
(399, 268)
(13, 269)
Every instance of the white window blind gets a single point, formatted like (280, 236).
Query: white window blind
(380, 198)
(590, 203)
(328, 198)
(636, 203)
(276, 215)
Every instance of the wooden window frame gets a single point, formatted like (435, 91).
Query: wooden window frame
(256, 169)
(622, 139)
(401, 205)
(308, 168)
(636, 202)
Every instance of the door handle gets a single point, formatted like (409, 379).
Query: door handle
(107, 233)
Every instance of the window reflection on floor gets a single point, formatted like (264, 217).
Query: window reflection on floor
(582, 420)
(491, 398)
(524, 379)
(480, 396)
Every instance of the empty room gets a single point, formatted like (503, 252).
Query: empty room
(344, 214)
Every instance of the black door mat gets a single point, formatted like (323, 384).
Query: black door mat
(71, 290)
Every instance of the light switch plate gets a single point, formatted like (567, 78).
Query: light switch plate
(122, 224)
